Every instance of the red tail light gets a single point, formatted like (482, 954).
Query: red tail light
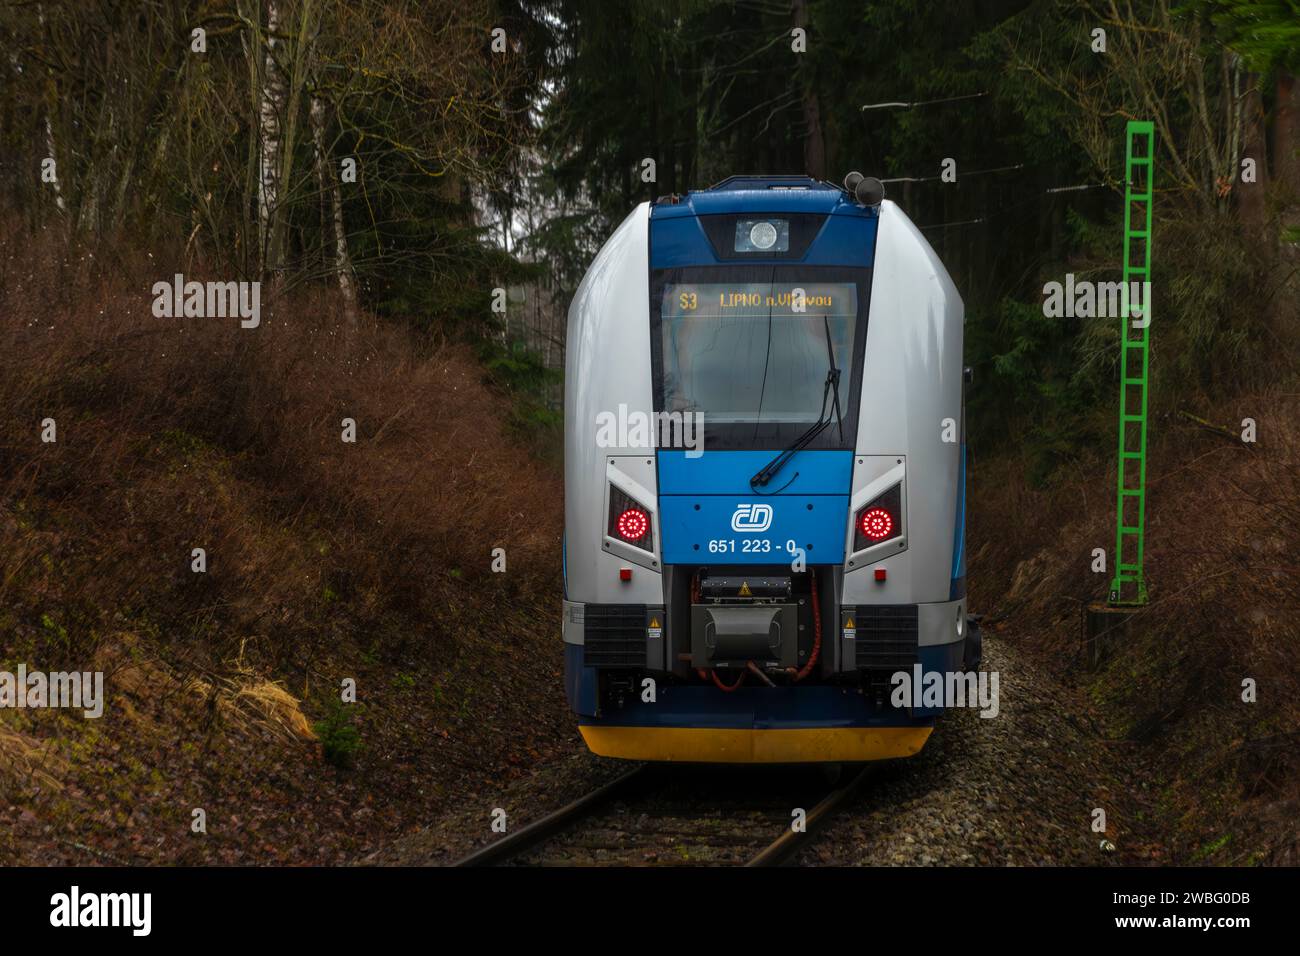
(633, 524)
(875, 524)
(629, 522)
(879, 520)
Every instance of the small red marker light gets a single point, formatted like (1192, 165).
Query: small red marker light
(880, 574)
(625, 574)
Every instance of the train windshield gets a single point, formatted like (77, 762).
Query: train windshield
(751, 347)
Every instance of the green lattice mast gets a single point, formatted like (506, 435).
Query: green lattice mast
(1129, 586)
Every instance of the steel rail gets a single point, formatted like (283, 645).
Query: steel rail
(531, 834)
(784, 846)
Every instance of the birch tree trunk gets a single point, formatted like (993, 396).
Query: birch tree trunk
(331, 195)
(49, 152)
(49, 123)
(270, 110)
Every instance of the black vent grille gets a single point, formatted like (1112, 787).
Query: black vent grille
(886, 637)
(614, 635)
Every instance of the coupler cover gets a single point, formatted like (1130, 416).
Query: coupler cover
(734, 634)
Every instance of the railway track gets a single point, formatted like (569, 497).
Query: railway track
(656, 815)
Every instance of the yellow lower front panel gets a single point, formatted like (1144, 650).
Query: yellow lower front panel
(709, 745)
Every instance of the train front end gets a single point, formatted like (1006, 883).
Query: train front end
(764, 501)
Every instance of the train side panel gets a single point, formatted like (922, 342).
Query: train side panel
(911, 419)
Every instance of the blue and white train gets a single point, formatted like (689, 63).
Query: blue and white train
(764, 478)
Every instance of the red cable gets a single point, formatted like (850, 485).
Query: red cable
(721, 686)
(817, 631)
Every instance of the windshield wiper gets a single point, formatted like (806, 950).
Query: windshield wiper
(831, 390)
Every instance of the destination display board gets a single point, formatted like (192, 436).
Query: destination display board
(755, 351)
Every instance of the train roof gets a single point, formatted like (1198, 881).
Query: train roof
(762, 194)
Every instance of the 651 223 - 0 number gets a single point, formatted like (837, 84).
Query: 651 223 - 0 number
(747, 546)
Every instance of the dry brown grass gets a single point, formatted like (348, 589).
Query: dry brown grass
(1223, 568)
(30, 760)
(183, 433)
(255, 701)
(325, 560)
